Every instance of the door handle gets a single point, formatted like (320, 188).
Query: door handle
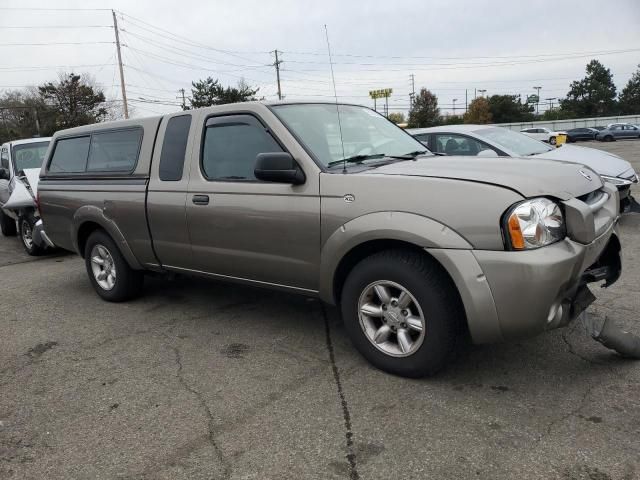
(200, 199)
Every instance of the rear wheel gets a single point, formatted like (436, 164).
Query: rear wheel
(7, 225)
(110, 274)
(402, 313)
(26, 225)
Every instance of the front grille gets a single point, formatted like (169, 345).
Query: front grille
(593, 198)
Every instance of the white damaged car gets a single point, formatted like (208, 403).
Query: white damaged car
(20, 163)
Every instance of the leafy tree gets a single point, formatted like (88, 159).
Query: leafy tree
(508, 109)
(18, 110)
(592, 96)
(210, 92)
(73, 101)
(425, 111)
(478, 112)
(397, 117)
(629, 99)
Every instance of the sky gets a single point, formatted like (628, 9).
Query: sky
(453, 48)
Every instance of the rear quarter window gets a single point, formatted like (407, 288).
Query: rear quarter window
(70, 155)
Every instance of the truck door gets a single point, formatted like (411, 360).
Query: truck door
(244, 228)
(167, 192)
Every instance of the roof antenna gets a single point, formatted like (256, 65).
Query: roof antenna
(335, 94)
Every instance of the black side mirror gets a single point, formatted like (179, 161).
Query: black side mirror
(4, 174)
(278, 167)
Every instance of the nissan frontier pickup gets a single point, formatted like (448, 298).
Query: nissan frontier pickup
(336, 202)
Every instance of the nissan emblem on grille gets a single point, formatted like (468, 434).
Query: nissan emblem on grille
(585, 175)
(349, 198)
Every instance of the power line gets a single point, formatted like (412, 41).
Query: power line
(50, 44)
(38, 27)
(394, 57)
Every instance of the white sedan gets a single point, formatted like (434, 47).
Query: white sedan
(543, 134)
(487, 141)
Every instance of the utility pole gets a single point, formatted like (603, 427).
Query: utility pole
(454, 106)
(35, 116)
(124, 91)
(412, 95)
(466, 101)
(538, 102)
(184, 102)
(277, 65)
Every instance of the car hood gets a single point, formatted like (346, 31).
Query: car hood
(603, 163)
(529, 177)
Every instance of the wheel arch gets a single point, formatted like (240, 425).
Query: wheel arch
(371, 233)
(89, 219)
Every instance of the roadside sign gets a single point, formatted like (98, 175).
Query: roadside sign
(533, 99)
(383, 93)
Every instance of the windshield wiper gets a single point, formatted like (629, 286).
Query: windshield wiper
(410, 155)
(355, 159)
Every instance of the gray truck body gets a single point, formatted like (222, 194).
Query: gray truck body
(305, 237)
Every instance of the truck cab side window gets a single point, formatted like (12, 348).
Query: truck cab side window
(70, 155)
(230, 149)
(174, 147)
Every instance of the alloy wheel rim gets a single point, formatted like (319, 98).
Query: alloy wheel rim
(391, 318)
(27, 234)
(103, 267)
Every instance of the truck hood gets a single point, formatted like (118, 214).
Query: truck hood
(526, 176)
(603, 163)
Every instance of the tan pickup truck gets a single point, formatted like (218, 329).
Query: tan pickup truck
(415, 248)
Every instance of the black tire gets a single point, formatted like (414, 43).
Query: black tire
(7, 225)
(434, 292)
(127, 283)
(26, 224)
(608, 138)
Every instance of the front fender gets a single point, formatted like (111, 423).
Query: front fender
(408, 227)
(91, 213)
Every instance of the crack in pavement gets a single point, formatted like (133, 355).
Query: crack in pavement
(210, 424)
(351, 454)
(570, 414)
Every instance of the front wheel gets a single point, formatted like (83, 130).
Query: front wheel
(110, 274)
(402, 312)
(608, 138)
(26, 225)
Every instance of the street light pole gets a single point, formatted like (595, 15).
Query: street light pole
(454, 106)
(482, 91)
(538, 102)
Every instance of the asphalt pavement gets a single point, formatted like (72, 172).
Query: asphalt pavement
(204, 380)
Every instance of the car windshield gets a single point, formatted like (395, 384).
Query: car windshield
(367, 136)
(29, 155)
(520, 144)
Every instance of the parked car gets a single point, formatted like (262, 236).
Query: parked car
(577, 134)
(414, 248)
(484, 140)
(20, 163)
(544, 135)
(617, 131)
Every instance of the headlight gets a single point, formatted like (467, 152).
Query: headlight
(534, 223)
(617, 181)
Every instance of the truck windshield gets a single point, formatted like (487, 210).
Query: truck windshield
(367, 136)
(29, 155)
(518, 143)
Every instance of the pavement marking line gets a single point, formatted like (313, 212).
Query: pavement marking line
(351, 454)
